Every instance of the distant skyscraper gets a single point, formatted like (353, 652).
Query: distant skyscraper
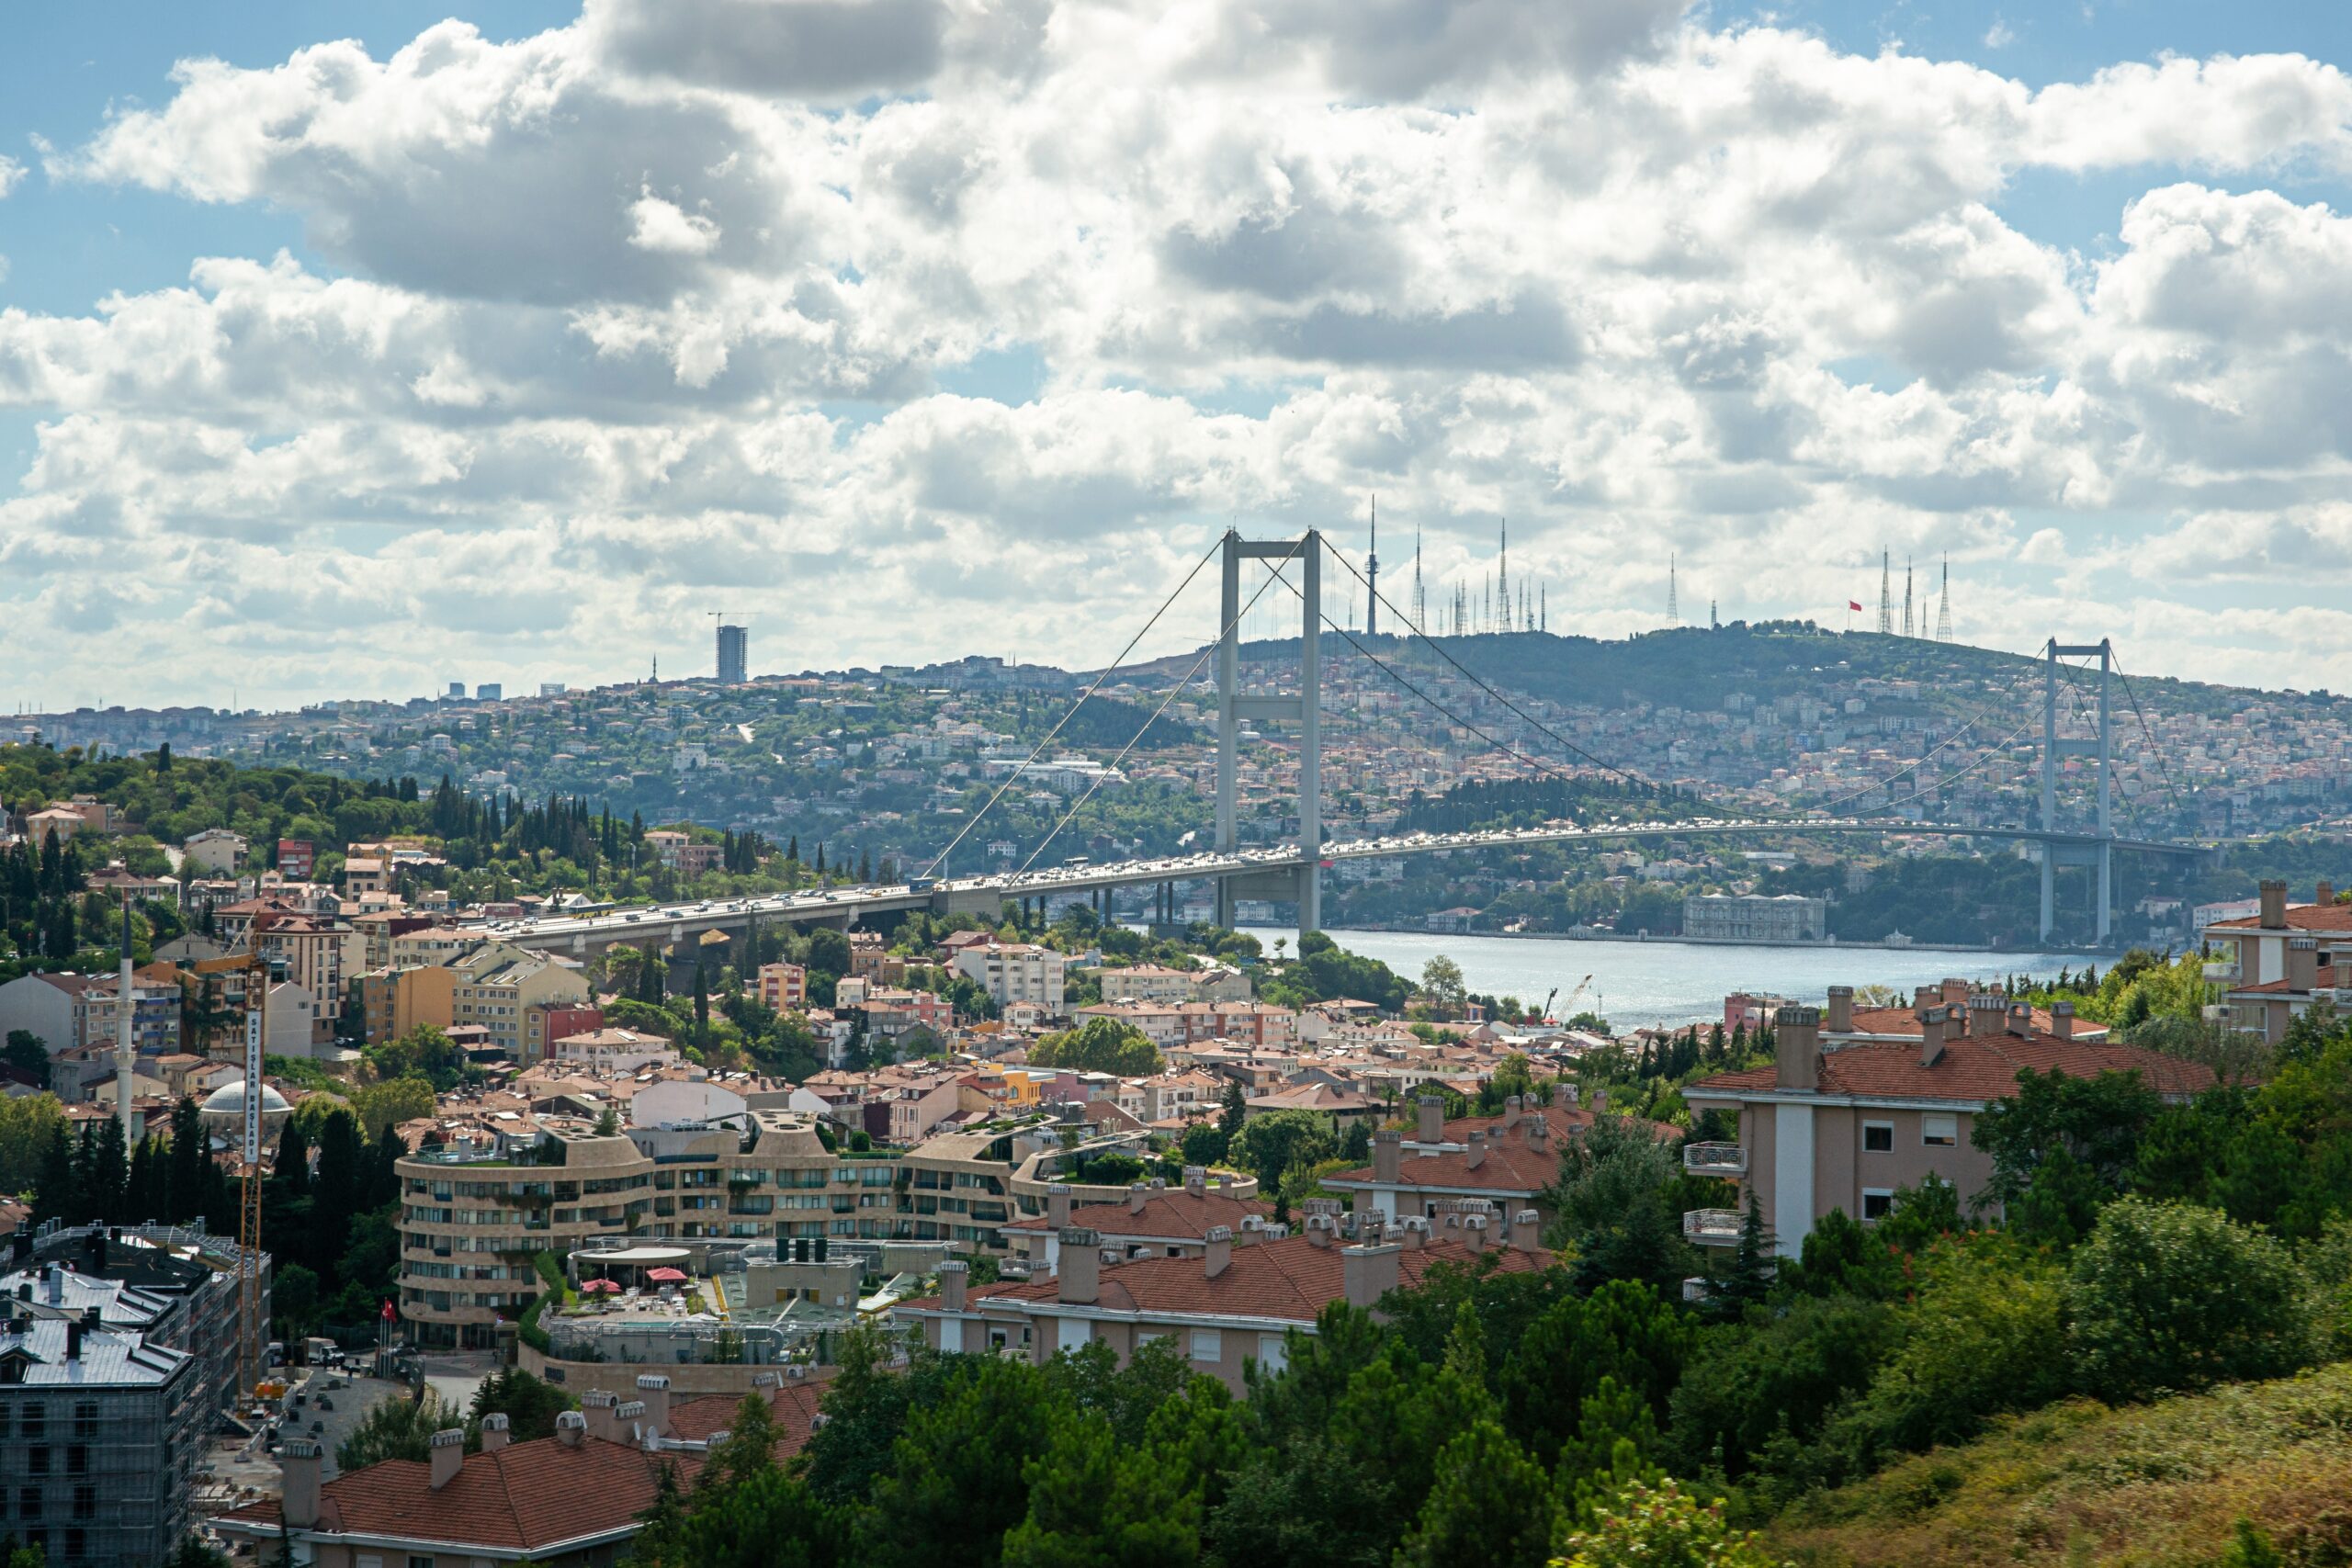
(456, 688)
(490, 692)
(734, 655)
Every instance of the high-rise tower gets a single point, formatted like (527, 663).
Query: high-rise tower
(1943, 611)
(734, 655)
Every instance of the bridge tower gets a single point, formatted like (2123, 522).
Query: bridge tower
(2102, 854)
(1301, 884)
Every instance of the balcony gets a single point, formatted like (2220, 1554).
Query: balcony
(2224, 972)
(1715, 1159)
(1711, 1227)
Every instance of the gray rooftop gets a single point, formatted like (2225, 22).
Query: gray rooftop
(36, 1357)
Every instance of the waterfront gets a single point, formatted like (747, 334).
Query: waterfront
(1636, 983)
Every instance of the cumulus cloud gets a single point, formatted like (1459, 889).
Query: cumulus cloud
(672, 297)
(12, 174)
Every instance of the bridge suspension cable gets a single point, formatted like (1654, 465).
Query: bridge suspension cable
(1093, 687)
(1274, 568)
(2164, 768)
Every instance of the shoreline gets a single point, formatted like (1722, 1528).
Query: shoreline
(1644, 939)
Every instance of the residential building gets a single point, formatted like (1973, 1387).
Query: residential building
(1846, 1128)
(48, 1007)
(216, 849)
(1012, 972)
(615, 1050)
(1159, 983)
(784, 987)
(61, 820)
(1227, 1305)
(103, 1434)
(2275, 963)
(1155, 1220)
(574, 1500)
(296, 859)
(311, 949)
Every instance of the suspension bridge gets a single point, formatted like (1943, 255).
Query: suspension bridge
(1292, 871)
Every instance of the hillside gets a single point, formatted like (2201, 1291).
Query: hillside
(2153, 1486)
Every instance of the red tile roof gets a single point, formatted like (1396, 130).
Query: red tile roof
(2329, 977)
(1172, 1213)
(1975, 1069)
(793, 1405)
(2299, 917)
(1512, 1164)
(526, 1496)
(1905, 1020)
(1292, 1279)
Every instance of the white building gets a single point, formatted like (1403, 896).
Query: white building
(1015, 972)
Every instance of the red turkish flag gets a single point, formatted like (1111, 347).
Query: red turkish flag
(1852, 605)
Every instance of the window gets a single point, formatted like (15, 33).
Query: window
(1877, 1204)
(36, 1421)
(1273, 1354)
(77, 1461)
(27, 1502)
(86, 1502)
(416, 1562)
(1208, 1345)
(37, 1462)
(85, 1417)
(1939, 1129)
(1878, 1137)
(77, 1546)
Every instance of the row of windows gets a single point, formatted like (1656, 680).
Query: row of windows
(31, 1418)
(1938, 1129)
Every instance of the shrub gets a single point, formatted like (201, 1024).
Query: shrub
(2168, 1296)
(1662, 1527)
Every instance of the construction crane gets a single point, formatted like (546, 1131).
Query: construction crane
(257, 969)
(1582, 987)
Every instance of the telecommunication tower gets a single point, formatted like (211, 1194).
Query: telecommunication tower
(1943, 612)
(1906, 596)
(1673, 609)
(1371, 575)
(1885, 595)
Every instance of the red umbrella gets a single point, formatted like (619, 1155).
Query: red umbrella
(666, 1276)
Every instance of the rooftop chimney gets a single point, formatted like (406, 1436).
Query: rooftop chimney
(1081, 1266)
(954, 1276)
(2021, 1020)
(2274, 906)
(1388, 1155)
(1935, 1028)
(1057, 1205)
(1526, 1230)
(1955, 991)
(1137, 1196)
(570, 1427)
(1322, 1230)
(2303, 963)
(299, 1463)
(1216, 1256)
(1252, 1232)
(1927, 996)
(2324, 893)
(653, 1389)
(1432, 1129)
(2062, 1020)
(1796, 1040)
(1370, 1272)
(1196, 1179)
(1511, 1104)
(448, 1455)
(599, 1406)
(52, 1280)
(496, 1431)
(1841, 1009)
(1414, 1231)
(1987, 1012)
(1474, 1232)
(73, 1338)
(1477, 1155)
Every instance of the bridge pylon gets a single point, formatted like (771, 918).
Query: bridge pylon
(1302, 884)
(2102, 855)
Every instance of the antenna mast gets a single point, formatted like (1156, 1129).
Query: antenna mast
(1673, 608)
(1371, 575)
(1943, 613)
(1885, 595)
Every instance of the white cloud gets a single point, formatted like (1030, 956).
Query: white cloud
(12, 174)
(666, 299)
(658, 225)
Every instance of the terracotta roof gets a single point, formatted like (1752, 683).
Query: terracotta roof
(2329, 978)
(1314, 1097)
(1292, 1279)
(1511, 1166)
(1905, 1020)
(1973, 1068)
(2299, 917)
(1172, 1213)
(524, 1496)
(793, 1405)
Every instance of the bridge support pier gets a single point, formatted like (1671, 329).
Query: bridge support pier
(2052, 749)
(1305, 710)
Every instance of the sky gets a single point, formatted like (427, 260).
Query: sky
(349, 350)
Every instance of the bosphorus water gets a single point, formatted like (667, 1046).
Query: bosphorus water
(1667, 982)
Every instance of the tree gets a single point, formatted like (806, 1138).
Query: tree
(955, 1482)
(1279, 1140)
(1203, 1145)
(26, 1052)
(1662, 1526)
(1099, 1045)
(1442, 984)
(383, 1106)
(1612, 1205)
(2169, 1296)
(1488, 1504)
(529, 1404)
(1095, 1502)
(396, 1429)
(1232, 1111)
(2062, 1147)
